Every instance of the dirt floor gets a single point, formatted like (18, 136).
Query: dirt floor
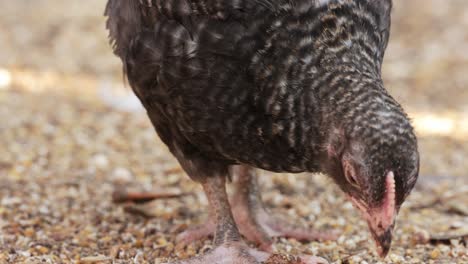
(64, 148)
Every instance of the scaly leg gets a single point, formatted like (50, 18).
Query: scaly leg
(255, 222)
(229, 248)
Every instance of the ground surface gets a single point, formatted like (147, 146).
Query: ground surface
(64, 148)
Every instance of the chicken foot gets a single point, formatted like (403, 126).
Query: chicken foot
(229, 247)
(255, 223)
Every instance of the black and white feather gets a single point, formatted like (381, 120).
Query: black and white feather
(272, 84)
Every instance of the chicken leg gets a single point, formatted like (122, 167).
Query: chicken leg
(253, 220)
(229, 247)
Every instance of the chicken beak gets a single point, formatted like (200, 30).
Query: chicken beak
(382, 234)
(381, 224)
(381, 220)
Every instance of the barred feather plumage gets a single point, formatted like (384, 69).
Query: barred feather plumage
(271, 84)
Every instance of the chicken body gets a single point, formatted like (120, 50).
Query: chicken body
(286, 86)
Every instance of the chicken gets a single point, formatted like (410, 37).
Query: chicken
(282, 85)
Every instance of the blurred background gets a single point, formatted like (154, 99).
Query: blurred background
(71, 131)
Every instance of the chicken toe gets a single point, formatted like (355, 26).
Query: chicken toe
(239, 253)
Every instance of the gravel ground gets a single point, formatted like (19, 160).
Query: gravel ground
(64, 148)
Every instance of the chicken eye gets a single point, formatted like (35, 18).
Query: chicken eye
(350, 175)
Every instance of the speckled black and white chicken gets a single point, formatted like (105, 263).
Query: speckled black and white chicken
(286, 86)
